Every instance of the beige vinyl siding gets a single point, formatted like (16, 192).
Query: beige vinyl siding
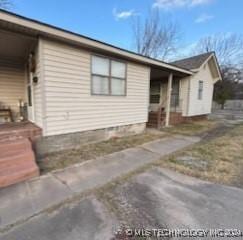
(196, 106)
(37, 90)
(184, 94)
(70, 107)
(12, 84)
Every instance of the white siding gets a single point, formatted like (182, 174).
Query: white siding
(196, 106)
(12, 84)
(70, 107)
(184, 95)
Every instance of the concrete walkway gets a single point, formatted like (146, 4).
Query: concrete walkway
(22, 201)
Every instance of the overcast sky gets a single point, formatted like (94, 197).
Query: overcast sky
(110, 20)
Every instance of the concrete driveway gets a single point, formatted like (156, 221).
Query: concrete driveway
(157, 198)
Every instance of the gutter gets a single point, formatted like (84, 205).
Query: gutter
(59, 33)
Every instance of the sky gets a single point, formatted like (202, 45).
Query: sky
(111, 20)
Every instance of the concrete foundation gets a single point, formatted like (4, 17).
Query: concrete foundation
(50, 144)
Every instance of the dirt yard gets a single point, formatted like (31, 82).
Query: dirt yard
(192, 128)
(218, 158)
(66, 158)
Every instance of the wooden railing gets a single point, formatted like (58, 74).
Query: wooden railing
(158, 118)
(162, 108)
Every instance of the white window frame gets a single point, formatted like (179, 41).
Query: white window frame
(110, 77)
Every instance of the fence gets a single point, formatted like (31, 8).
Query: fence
(230, 104)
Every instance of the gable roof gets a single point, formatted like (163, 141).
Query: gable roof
(40, 29)
(194, 62)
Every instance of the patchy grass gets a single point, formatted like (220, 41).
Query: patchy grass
(66, 158)
(219, 160)
(192, 128)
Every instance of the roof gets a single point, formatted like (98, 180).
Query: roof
(43, 29)
(194, 62)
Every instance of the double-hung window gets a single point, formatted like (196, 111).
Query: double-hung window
(155, 92)
(200, 90)
(108, 76)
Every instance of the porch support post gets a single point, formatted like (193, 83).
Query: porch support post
(168, 100)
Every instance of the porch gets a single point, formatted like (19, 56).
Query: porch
(17, 69)
(18, 130)
(167, 100)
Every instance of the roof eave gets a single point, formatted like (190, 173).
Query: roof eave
(217, 65)
(71, 37)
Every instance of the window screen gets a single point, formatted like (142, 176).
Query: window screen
(108, 76)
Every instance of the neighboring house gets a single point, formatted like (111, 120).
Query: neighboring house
(76, 89)
(191, 96)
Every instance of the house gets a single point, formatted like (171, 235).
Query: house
(63, 89)
(191, 96)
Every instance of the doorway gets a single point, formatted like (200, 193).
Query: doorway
(30, 101)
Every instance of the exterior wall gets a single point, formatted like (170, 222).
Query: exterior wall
(69, 105)
(196, 106)
(184, 95)
(12, 84)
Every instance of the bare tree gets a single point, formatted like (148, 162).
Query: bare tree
(5, 4)
(228, 47)
(154, 37)
(229, 51)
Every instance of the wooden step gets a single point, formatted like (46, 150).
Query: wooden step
(18, 173)
(13, 131)
(15, 146)
(16, 158)
(17, 162)
(7, 137)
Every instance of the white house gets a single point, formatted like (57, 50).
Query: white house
(61, 89)
(191, 96)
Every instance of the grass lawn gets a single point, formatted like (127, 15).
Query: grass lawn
(192, 128)
(219, 160)
(66, 158)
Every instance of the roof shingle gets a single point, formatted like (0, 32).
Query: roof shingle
(192, 62)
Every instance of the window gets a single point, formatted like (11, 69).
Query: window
(200, 90)
(108, 76)
(155, 92)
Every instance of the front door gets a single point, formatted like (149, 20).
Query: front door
(175, 94)
(30, 98)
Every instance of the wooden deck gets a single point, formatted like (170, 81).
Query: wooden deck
(17, 159)
(11, 131)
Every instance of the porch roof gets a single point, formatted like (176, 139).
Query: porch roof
(27, 26)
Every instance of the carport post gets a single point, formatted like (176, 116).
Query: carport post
(169, 89)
